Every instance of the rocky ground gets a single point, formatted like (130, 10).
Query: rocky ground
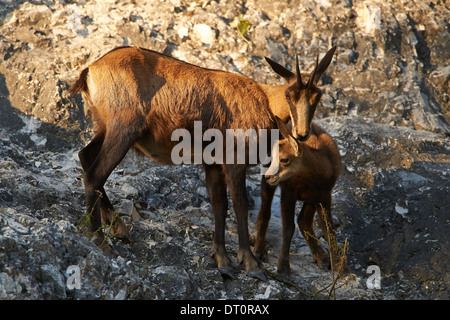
(386, 102)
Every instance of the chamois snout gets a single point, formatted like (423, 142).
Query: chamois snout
(288, 167)
(273, 179)
(303, 138)
(286, 159)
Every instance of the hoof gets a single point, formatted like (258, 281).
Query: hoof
(218, 253)
(104, 246)
(257, 274)
(109, 251)
(252, 265)
(120, 231)
(285, 275)
(126, 239)
(228, 273)
(344, 271)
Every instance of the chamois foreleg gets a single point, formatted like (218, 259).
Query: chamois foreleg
(112, 147)
(235, 177)
(108, 215)
(262, 223)
(217, 190)
(288, 200)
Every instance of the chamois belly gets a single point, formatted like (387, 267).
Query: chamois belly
(159, 152)
(311, 191)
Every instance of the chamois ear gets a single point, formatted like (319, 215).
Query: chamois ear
(322, 66)
(283, 128)
(286, 133)
(280, 70)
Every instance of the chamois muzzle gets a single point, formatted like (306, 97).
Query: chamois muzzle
(272, 179)
(300, 138)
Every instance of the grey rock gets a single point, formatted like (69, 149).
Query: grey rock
(385, 102)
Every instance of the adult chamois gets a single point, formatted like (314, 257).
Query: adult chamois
(138, 98)
(307, 172)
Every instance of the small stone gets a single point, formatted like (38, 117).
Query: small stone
(205, 34)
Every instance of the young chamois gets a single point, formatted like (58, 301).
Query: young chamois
(307, 172)
(138, 98)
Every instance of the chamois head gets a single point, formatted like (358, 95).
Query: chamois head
(288, 157)
(303, 98)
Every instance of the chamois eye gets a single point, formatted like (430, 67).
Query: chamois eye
(288, 97)
(284, 161)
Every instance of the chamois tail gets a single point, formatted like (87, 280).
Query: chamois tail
(80, 85)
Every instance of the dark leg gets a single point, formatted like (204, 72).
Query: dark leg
(262, 223)
(305, 223)
(326, 221)
(108, 214)
(114, 146)
(235, 177)
(329, 232)
(288, 200)
(217, 189)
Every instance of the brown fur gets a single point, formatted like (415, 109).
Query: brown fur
(308, 173)
(138, 97)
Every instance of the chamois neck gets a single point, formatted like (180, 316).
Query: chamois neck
(277, 100)
(316, 157)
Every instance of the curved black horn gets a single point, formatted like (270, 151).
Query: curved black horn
(313, 74)
(299, 75)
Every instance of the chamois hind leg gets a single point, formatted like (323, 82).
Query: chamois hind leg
(114, 147)
(108, 214)
(305, 223)
(329, 233)
(235, 177)
(262, 223)
(217, 190)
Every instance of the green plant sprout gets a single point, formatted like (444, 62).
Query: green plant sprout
(242, 26)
